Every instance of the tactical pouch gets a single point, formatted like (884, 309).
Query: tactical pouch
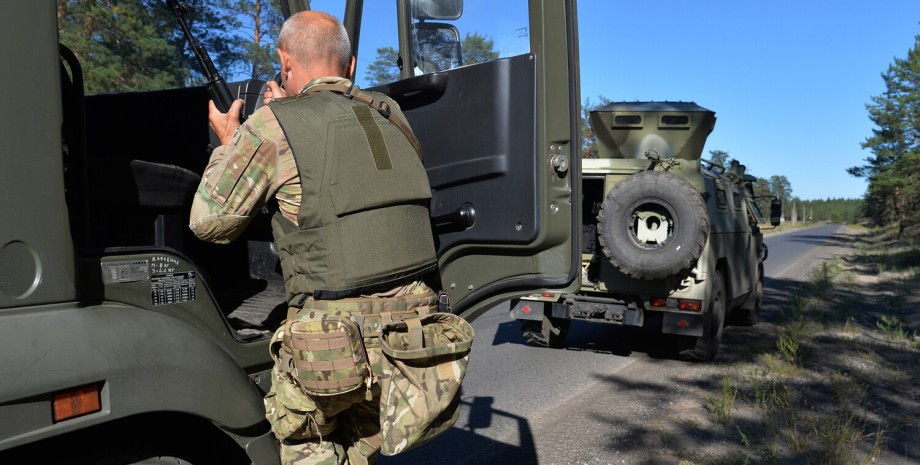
(424, 362)
(292, 414)
(327, 352)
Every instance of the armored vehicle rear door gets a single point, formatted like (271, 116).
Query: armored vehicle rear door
(497, 115)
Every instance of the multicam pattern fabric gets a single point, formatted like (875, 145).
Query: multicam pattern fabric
(346, 428)
(424, 364)
(314, 429)
(355, 443)
(327, 352)
(240, 178)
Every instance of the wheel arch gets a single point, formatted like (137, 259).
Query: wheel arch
(133, 439)
(145, 362)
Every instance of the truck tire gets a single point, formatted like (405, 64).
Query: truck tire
(550, 332)
(163, 461)
(631, 219)
(704, 348)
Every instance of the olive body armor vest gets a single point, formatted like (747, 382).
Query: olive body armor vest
(363, 219)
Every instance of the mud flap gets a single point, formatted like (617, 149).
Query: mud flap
(527, 310)
(682, 324)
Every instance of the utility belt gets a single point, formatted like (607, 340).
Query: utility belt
(379, 285)
(401, 349)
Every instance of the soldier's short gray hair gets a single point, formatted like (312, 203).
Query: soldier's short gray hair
(314, 36)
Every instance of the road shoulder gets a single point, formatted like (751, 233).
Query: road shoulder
(822, 378)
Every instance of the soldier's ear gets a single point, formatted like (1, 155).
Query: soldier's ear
(351, 69)
(285, 60)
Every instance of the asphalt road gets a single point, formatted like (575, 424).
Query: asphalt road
(529, 405)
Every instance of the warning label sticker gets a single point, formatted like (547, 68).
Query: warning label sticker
(125, 272)
(173, 288)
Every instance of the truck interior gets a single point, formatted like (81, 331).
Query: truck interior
(134, 194)
(133, 163)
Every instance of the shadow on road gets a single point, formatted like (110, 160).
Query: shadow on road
(822, 240)
(621, 341)
(461, 446)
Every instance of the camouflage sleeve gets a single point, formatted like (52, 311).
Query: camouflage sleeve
(238, 180)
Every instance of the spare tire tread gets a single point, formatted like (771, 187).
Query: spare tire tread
(673, 193)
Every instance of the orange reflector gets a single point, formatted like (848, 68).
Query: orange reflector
(526, 309)
(690, 305)
(77, 401)
(658, 302)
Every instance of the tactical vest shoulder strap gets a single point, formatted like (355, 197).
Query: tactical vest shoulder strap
(381, 106)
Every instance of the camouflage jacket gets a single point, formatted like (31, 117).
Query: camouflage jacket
(240, 178)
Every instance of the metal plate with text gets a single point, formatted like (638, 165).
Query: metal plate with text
(173, 288)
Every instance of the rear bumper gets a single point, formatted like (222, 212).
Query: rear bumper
(605, 310)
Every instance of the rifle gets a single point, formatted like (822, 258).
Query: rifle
(218, 89)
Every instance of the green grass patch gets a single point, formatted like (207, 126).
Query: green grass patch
(831, 387)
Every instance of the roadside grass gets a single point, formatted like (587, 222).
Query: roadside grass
(839, 383)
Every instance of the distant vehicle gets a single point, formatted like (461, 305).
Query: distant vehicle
(124, 339)
(669, 240)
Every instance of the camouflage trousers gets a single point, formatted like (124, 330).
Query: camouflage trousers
(327, 427)
(355, 440)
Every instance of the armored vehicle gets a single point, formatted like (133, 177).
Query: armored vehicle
(669, 240)
(124, 339)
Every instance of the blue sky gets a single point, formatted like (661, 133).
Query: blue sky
(788, 80)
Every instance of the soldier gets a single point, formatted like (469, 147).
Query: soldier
(352, 230)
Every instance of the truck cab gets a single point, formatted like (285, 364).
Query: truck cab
(124, 338)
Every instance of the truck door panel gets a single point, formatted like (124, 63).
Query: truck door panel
(489, 150)
(501, 146)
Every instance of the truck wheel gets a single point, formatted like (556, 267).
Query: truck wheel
(748, 316)
(705, 347)
(653, 225)
(162, 461)
(550, 332)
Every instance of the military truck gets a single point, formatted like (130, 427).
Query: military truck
(669, 241)
(123, 339)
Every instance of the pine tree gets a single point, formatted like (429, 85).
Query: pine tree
(384, 69)
(257, 36)
(477, 48)
(893, 194)
(719, 157)
(131, 45)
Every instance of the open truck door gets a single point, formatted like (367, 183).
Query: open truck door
(100, 259)
(500, 135)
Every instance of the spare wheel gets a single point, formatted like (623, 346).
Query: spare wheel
(653, 225)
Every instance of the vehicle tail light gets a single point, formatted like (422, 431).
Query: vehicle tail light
(76, 402)
(689, 305)
(549, 294)
(658, 302)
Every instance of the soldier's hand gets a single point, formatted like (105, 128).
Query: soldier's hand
(274, 91)
(225, 124)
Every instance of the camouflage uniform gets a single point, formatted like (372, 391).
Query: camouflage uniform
(342, 428)
(238, 180)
